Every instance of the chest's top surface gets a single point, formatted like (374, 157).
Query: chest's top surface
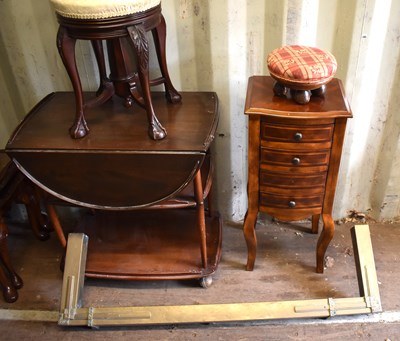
(113, 127)
(262, 101)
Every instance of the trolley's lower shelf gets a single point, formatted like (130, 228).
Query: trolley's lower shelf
(149, 244)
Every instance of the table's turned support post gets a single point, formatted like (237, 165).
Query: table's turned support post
(56, 225)
(198, 191)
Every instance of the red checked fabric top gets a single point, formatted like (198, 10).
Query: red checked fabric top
(298, 63)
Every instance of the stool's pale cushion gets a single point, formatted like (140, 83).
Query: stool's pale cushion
(299, 64)
(101, 9)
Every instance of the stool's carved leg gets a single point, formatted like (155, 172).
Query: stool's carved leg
(141, 47)
(324, 240)
(4, 255)
(57, 225)
(159, 35)
(66, 48)
(106, 87)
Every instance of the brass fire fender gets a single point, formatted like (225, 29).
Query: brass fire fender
(73, 314)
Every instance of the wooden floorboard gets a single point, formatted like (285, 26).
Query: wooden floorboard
(284, 270)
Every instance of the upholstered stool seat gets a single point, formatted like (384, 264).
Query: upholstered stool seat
(101, 9)
(301, 71)
(123, 25)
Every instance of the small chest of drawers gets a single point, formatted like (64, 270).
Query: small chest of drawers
(293, 159)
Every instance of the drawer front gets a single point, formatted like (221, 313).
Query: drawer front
(292, 180)
(290, 202)
(290, 159)
(298, 134)
(297, 192)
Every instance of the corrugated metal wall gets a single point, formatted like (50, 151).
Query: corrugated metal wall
(216, 45)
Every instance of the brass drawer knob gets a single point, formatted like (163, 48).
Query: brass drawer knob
(292, 204)
(298, 136)
(296, 161)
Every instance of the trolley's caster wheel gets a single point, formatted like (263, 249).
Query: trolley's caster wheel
(205, 282)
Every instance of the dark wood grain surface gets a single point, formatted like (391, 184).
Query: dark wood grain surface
(261, 100)
(117, 165)
(161, 244)
(190, 125)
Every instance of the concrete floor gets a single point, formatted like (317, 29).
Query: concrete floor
(284, 271)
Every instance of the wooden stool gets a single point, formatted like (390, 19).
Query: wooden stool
(15, 187)
(121, 23)
(9, 279)
(301, 71)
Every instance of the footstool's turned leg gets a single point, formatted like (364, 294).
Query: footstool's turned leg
(302, 96)
(280, 89)
(57, 225)
(159, 35)
(320, 92)
(141, 47)
(66, 48)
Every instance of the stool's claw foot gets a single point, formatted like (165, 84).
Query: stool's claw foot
(173, 96)
(79, 129)
(157, 131)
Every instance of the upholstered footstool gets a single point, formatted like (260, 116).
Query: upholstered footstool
(301, 71)
(123, 24)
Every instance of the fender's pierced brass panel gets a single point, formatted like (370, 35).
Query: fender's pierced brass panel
(73, 314)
